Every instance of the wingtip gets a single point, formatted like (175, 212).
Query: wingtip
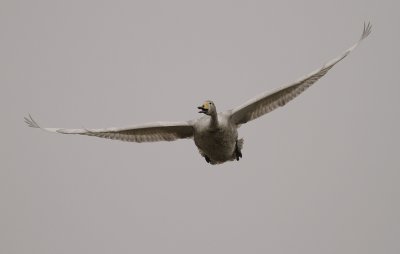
(30, 122)
(367, 30)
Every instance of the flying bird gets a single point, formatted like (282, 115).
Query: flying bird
(216, 133)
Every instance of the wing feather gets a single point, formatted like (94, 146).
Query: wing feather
(152, 132)
(269, 101)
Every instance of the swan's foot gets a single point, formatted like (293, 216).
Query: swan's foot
(238, 153)
(207, 159)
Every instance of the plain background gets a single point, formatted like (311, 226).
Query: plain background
(320, 175)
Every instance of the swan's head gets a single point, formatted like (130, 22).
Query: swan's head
(207, 108)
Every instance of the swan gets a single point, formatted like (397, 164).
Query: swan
(216, 133)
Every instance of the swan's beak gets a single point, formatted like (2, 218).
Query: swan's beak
(203, 109)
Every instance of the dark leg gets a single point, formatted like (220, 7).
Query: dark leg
(207, 159)
(238, 153)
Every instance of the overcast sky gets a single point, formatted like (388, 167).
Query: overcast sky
(320, 175)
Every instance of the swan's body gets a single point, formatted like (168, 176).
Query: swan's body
(214, 134)
(217, 142)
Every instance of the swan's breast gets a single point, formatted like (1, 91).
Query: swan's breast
(217, 143)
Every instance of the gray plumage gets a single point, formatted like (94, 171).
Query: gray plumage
(214, 134)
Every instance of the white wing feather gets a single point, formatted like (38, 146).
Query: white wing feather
(269, 101)
(152, 132)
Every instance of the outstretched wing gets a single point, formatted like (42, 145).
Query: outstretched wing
(160, 131)
(267, 101)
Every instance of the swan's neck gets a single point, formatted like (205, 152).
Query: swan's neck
(214, 121)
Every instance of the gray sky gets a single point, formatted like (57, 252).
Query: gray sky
(320, 175)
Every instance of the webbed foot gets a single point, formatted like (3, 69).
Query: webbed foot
(238, 153)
